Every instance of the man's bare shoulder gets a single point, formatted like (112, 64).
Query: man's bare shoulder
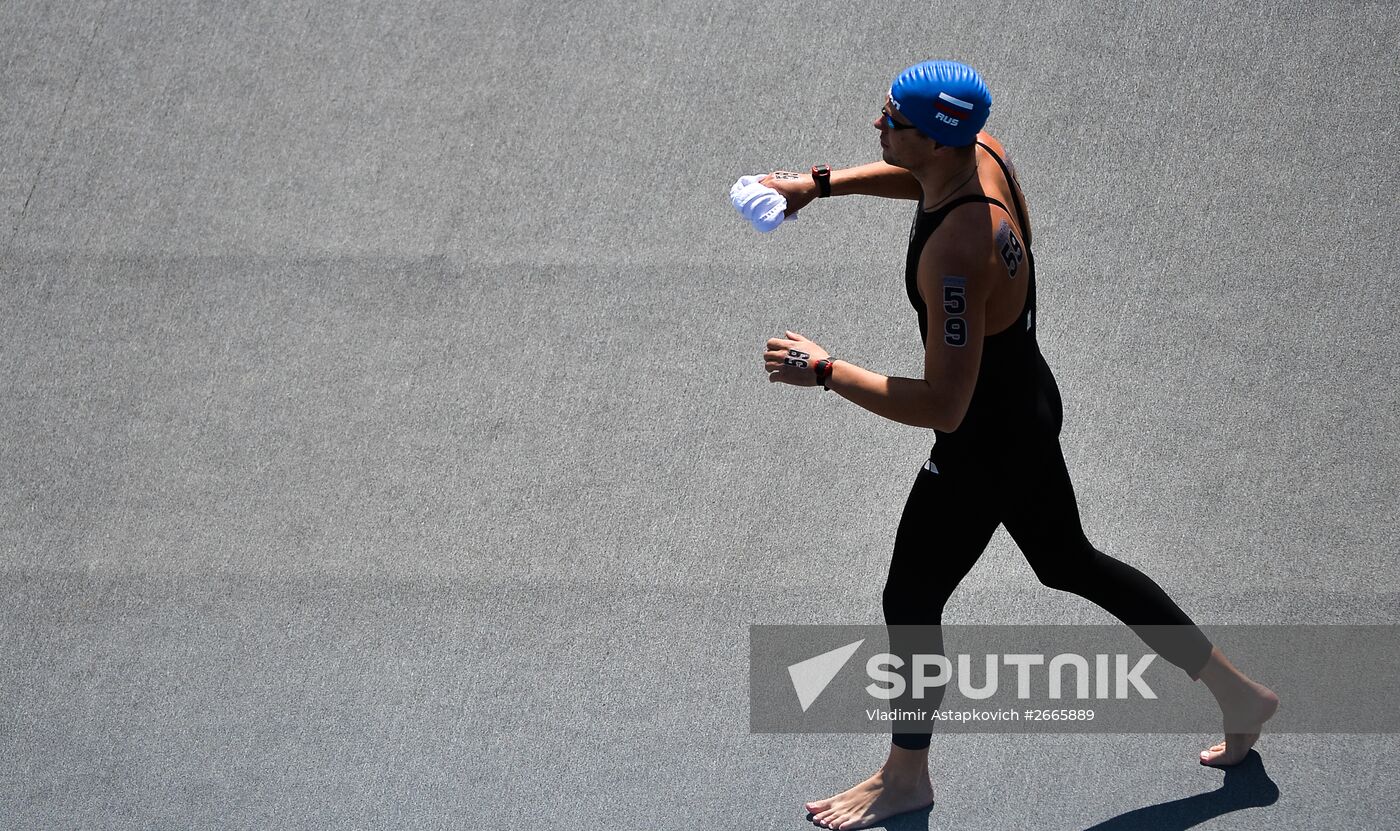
(995, 143)
(998, 148)
(963, 244)
(966, 232)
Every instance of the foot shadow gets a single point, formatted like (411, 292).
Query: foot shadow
(1247, 785)
(907, 821)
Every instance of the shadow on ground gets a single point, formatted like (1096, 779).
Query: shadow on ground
(1247, 785)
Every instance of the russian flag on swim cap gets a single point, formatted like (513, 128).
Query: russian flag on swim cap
(946, 100)
(952, 106)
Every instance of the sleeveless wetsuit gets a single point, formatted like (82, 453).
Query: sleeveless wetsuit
(1003, 466)
(1016, 399)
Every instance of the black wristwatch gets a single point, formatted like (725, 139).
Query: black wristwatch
(821, 174)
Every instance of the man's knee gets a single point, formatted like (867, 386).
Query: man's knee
(912, 605)
(897, 603)
(1068, 569)
(1060, 578)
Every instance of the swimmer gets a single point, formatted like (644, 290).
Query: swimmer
(994, 407)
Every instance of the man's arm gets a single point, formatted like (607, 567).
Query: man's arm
(954, 286)
(873, 179)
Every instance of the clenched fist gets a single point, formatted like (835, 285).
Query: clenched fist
(799, 189)
(792, 360)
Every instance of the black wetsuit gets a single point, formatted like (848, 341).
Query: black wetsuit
(1003, 466)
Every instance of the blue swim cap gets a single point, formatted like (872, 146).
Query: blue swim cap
(946, 100)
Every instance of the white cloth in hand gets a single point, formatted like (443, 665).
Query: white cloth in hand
(760, 205)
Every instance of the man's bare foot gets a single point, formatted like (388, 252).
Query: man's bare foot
(901, 784)
(1244, 704)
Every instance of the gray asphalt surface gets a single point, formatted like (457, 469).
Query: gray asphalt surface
(387, 445)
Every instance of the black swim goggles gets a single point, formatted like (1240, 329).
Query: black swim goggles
(890, 124)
